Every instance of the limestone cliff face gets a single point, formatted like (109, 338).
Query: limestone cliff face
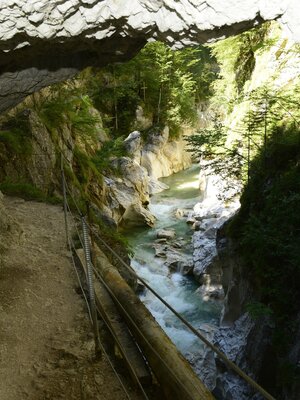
(276, 66)
(158, 154)
(36, 162)
(43, 42)
(149, 158)
(31, 154)
(127, 194)
(36, 165)
(245, 340)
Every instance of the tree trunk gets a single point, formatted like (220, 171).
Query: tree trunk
(159, 104)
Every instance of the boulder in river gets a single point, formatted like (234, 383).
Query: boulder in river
(160, 249)
(136, 215)
(182, 213)
(166, 233)
(155, 186)
(177, 262)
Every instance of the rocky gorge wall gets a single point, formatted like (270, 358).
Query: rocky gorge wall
(246, 334)
(148, 159)
(45, 42)
(119, 195)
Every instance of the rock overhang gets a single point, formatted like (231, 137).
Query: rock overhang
(44, 42)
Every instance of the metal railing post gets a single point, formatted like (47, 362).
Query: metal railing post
(64, 191)
(90, 282)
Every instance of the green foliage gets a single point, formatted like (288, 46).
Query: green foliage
(111, 236)
(210, 144)
(267, 226)
(84, 169)
(68, 105)
(109, 150)
(114, 92)
(288, 374)
(249, 43)
(15, 134)
(27, 191)
(268, 108)
(165, 83)
(257, 310)
(88, 169)
(171, 87)
(236, 58)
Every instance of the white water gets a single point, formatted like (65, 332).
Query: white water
(178, 290)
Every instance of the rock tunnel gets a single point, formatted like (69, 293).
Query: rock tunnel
(44, 42)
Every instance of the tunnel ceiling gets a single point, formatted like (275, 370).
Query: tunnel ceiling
(43, 41)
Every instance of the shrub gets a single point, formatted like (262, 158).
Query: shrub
(27, 191)
(15, 134)
(267, 226)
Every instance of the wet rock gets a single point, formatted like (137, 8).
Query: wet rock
(160, 250)
(207, 269)
(162, 240)
(232, 341)
(172, 260)
(204, 362)
(175, 260)
(208, 223)
(156, 186)
(136, 215)
(197, 226)
(186, 267)
(210, 233)
(231, 387)
(166, 234)
(211, 292)
(178, 262)
(181, 213)
(177, 245)
(139, 288)
(190, 220)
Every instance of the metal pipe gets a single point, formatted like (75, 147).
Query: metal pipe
(90, 282)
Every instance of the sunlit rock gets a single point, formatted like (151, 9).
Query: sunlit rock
(162, 157)
(166, 234)
(136, 215)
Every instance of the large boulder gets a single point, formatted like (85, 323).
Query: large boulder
(135, 216)
(127, 195)
(133, 145)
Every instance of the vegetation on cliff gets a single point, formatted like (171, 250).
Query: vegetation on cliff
(256, 138)
(265, 144)
(81, 125)
(87, 118)
(167, 84)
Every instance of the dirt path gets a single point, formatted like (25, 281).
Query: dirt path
(46, 349)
